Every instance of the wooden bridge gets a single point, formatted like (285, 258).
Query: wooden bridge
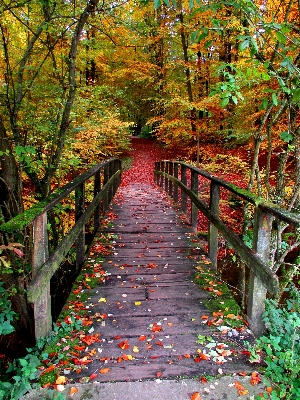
(148, 315)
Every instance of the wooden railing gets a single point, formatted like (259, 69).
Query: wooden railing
(106, 177)
(173, 175)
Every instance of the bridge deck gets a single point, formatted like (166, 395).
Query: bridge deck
(153, 308)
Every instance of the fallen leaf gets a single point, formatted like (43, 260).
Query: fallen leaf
(124, 345)
(255, 378)
(60, 380)
(135, 349)
(240, 388)
(156, 328)
(137, 303)
(159, 374)
(102, 300)
(142, 337)
(60, 388)
(93, 376)
(73, 390)
(104, 370)
(196, 396)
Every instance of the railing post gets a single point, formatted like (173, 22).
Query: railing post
(175, 195)
(183, 195)
(42, 308)
(105, 179)
(162, 169)
(156, 168)
(97, 187)
(194, 210)
(212, 230)
(166, 179)
(79, 210)
(170, 189)
(256, 291)
(111, 189)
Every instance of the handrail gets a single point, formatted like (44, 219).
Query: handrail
(107, 178)
(262, 277)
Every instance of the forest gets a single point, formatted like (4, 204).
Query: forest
(216, 83)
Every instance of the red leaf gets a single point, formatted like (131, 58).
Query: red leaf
(124, 345)
(93, 376)
(156, 328)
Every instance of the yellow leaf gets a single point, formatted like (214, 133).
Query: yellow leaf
(137, 303)
(135, 349)
(102, 300)
(60, 380)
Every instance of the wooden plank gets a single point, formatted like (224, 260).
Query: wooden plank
(137, 295)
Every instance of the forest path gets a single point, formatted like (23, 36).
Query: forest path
(149, 312)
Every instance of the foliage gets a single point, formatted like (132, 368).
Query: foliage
(23, 374)
(281, 346)
(7, 315)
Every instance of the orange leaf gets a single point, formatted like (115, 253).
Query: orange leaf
(73, 390)
(142, 337)
(104, 370)
(196, 396)
(49, 369)
(79, 348)
(203, 379)
(187, 356)
(91, 339)
(159, 374)
(240, 388)
(255, 378)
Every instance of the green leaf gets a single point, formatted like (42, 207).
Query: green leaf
(244, 45)
(286, 136)
(280, 37)
(157, 4)
(264, 104)
(234, 99)
(274, 99)
(224, 102)
(265, 76)
(208, 44)
(191, 4)
(296, 95)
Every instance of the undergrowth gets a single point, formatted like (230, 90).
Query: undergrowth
(280, 347)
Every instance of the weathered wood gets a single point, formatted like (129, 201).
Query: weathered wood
(175, 195)
(213, 230)
(257, 292)
(138, 295)
(43, 276)
(253, 261)
(183, 193)
(80, 240)
(42, 307)
(194, 211)
(97, 187)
